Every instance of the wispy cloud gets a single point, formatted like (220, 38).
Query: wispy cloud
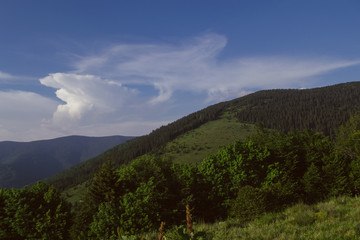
(10, 78)
(4, 75)
(194, 66)
(134, 88)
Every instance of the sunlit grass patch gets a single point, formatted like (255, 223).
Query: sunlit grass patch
(195, 145)
(337, 218)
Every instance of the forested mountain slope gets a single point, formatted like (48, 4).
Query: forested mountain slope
(321, 109)
(22, 163)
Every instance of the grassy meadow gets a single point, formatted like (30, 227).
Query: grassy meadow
(337, 218)
(195, 145)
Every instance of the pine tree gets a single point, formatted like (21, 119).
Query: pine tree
(313, 186)
(104, 185)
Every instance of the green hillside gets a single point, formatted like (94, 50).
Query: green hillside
(194, 145)
(321, 109)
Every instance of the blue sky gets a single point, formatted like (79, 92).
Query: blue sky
(100, 68)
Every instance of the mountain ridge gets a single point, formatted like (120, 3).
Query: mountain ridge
(243, 109)
(24, 162)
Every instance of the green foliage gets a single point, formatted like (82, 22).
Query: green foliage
(249, 204)
(336, 179)
(6, 231)
(105, 222)
(140, 211)
(313, 184)
(348, 138)
(146, 192)
(194, 191)
(104, 186)
(239, 164)
(38, 212)
(347, 144)
(181, 233)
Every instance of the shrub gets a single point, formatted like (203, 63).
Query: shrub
(249, 204)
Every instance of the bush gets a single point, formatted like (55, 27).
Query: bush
(249, 204)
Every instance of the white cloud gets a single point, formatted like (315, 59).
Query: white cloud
(87, 98)
(4, 75)
(22, 115)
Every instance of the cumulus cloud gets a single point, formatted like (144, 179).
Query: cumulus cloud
(87, 98)
(143, 83)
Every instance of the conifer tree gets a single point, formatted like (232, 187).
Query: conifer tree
(313, 186)
(104, 185)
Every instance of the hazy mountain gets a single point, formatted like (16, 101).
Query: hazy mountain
(22, 163)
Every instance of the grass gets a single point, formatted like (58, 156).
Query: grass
(75, 193)
(337, 218)
(195, 145)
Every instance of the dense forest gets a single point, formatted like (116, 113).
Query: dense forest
(266, 172)
(319, 109)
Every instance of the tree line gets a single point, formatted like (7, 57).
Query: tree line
(266, 172)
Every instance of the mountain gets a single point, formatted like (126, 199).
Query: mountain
(22, 163)
(321, 109)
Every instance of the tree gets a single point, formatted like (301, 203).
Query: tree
(39, 212)
(6, 231)
(239, 164)
(313, 184)
(105, 222)
(104, 186)
(336, 176)
(140, 210)
(347, 143)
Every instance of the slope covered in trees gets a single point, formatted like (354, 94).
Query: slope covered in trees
(321, 109)
(266, 172)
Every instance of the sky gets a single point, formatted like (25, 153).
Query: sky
(120, 67)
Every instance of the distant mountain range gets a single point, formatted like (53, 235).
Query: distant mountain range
(22, 163)
(320, 109)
